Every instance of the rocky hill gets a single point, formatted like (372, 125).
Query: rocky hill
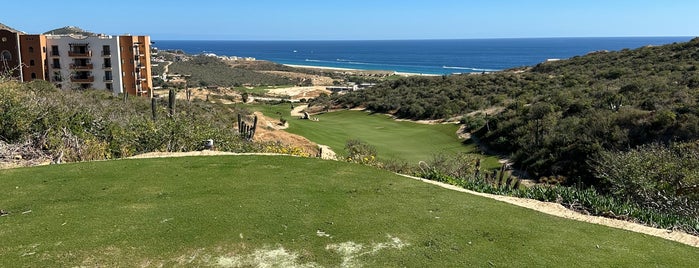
(70, 30)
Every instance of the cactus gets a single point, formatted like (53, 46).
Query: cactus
(171, 102)
(153, 108)
(247, 131)
(478, 168)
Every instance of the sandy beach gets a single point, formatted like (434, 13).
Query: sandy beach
(356, 70)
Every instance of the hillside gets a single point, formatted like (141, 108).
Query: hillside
(70, 30)
(211, 71)
(551, 118)
(624, 122)
(40, 122)
(243, 211)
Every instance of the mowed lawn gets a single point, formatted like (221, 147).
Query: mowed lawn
(393, 139)
(280, 211)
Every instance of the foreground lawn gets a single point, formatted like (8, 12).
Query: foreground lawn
(291, 212)
(393, 139)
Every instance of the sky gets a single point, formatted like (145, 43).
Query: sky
(358, 19)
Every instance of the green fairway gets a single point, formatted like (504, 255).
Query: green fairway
(393, 139)
(280, 211)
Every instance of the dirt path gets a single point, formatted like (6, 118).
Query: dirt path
(166, 68)
(560, 211)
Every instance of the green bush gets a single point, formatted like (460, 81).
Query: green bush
(360, 152)
(654, 175)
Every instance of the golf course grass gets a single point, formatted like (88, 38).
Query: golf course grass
(243, 211)
(393, 139)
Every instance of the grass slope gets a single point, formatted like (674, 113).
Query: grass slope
(393, 139)
(290, 212)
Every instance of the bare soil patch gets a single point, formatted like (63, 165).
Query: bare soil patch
(316, 80)
(270, 130)
(297, 93)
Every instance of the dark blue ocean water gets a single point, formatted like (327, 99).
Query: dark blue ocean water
(418, 56)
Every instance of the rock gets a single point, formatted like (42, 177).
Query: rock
(17, 157)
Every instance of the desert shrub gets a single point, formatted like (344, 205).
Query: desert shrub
(93, 125)
(15, 113)
(585, 200)
(473, 122)
(654, 175)
(398, 166)
(360, 152)
(460, 165)
(279, 148)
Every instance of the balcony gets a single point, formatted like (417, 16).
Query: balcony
(108, 79)
(80, 53)
(88, 66)
(106, 66)
(106, 53)
(82, 79)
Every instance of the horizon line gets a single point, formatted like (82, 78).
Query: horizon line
(427, 39)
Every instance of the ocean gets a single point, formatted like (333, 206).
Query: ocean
(417, 56)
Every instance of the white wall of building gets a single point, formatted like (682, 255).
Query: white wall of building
(95, 45)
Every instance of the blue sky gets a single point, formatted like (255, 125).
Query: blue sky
(358, 19)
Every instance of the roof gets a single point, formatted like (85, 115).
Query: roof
(5, 27)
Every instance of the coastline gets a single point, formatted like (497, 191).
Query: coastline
(356, 70)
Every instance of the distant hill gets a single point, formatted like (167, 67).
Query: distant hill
(5, 27)
(70, 30)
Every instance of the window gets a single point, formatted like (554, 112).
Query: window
(31, 62)
(5, 55)
(57, 77)
(107, 75)
(106, 51)
(31, 49)
(107, 63)
(54, 50)
(109, 86)
(56, 64)
(33, 75)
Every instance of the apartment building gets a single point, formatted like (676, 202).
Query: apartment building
(9, 53)
(119, 64)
